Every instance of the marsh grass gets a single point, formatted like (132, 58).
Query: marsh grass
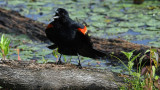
(144, 78)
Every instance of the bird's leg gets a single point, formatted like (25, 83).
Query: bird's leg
(79, 62)
(59, 60)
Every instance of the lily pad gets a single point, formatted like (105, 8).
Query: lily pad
(142, 37)
(115, 14)
(153, 22)
(116, 30)
(154, 43)
(96, 17)
(130, 24)
(99, 10)
(99, 24)
(16, 2)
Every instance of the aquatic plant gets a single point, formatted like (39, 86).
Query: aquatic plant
(4, 46)
(144, 77)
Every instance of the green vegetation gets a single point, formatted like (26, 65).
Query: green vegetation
(4, 46)
(144, 77)
(55, 54)
(44, 60)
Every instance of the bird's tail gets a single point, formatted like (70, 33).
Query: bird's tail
(92, 53)
(52, 46)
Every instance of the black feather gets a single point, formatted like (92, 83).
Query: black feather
(65, 35)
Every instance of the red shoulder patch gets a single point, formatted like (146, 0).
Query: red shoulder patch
(49, 26)
(83, 30)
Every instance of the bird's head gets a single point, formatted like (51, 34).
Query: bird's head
(61, 13)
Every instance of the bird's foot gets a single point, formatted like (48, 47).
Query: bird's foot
(79, 66)
(59, 62)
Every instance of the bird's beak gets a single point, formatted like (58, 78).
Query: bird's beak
(54, 17)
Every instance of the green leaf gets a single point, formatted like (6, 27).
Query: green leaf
(135, 57)
(147, 51)
(2, 38)
(121, 62)
(130, 65)
(1, 54)
(154, 70)
(65, 59)
(44, 60)
(141, 58)
(156, 59)
(4, 45)
(156, 77)
(128, 54)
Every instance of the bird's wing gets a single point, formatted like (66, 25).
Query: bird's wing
(83, 30)
(49, 26)
(79, 27)
(82, 34)
(50, 32)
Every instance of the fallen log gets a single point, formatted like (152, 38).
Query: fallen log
(32, 76)
(13, 22)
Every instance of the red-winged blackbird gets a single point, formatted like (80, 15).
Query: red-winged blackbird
(70, 37)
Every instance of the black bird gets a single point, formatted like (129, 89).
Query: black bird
(70, 37)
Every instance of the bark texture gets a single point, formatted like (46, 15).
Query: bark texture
(31, 76)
